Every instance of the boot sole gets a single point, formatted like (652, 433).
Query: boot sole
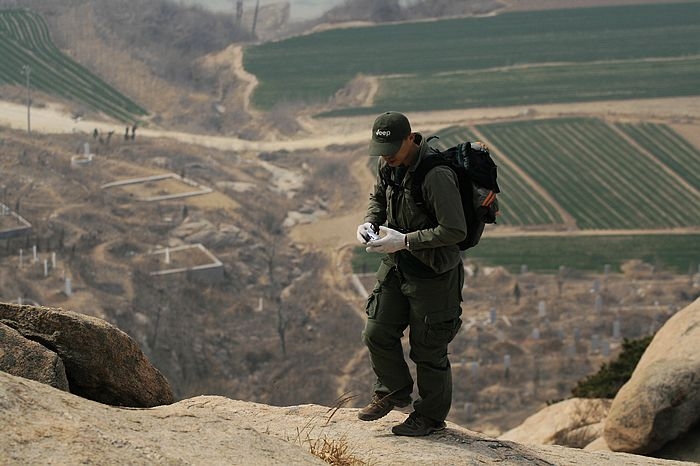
(367, 417)
(373, 417)
(428, 431)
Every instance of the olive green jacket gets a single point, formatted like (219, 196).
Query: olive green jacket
(434, 246)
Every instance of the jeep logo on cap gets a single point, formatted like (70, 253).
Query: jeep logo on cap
(383, 133)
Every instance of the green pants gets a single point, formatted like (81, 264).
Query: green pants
(430, 307)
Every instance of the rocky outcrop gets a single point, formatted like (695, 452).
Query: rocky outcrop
(656, 412)
(575, 422)
(42, 425)
(101, 362)
(661, 401)
(25, 358)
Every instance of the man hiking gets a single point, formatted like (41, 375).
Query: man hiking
(419, 280)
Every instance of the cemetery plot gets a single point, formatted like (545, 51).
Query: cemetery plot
(12, 224)
(182, 257)
(194, 258)
(159, 187)
(26, 42)
(596, 175)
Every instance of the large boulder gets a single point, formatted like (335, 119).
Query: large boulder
(25, 358)
(102, 363)
(661, 401)
(685, 448)
(575, 423)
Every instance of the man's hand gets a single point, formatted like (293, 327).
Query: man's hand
(363, 232)
(392, 241)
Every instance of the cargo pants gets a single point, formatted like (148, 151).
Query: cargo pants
(430, 308)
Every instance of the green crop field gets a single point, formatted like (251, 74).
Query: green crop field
(26, 42)
(676, 253)
(669, 148)
(520, 204)
(670, 253)
(622, 52)
(602, 180)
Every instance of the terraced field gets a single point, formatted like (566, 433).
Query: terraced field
(601, 179)
(26, 42)
(519, 58)
(668, 147)
(520, 203)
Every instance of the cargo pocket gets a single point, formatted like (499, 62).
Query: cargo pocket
(442, 327)
(372, 303)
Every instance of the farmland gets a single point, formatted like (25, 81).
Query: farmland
(26, 42)
(621, 176)
(520, 204)
(669, 253)
(519, 58)
(600, 178)
(670, 149)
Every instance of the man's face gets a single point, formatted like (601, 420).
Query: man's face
(402, 156)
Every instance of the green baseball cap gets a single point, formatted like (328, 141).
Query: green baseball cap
(388, 132)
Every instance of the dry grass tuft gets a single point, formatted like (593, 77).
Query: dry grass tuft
(335, 451)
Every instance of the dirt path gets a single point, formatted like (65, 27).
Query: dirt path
(335, 237)
(52, 119)
(240, 73)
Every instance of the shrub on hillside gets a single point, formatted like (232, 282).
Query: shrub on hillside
(612, 376)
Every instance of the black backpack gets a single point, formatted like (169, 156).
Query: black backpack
(476, 175)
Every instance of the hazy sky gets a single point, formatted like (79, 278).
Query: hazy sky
(300, 9)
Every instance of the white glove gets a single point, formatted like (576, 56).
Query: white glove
(365, 232)
(392, 241)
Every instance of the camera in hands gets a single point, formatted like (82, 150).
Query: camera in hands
(370, 235)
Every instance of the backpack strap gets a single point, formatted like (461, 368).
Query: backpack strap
(432, 160)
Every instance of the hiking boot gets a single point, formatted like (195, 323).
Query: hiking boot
(417, 425)
(380, 407)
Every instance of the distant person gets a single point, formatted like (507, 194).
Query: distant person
(419, 281)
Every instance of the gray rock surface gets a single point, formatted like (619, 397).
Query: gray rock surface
(102, 363)
(28, 359)
(661, 401)
(42, 425)
(575, 422)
